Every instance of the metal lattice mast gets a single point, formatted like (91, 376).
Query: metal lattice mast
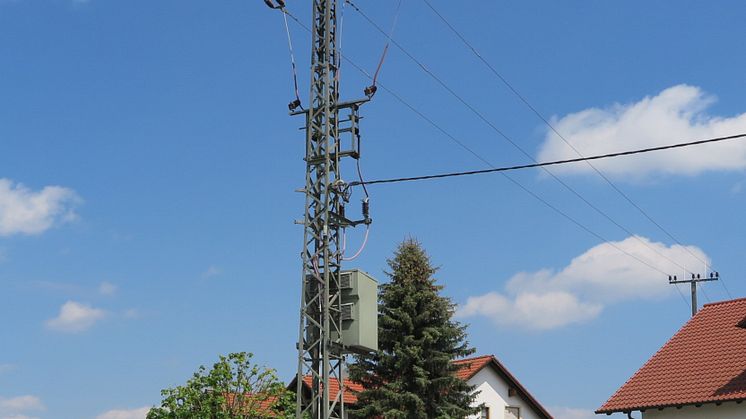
(319, 356)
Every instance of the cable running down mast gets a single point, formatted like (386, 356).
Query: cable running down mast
(320, 347)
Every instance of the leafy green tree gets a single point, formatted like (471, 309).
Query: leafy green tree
(234, 388)
(412, 376)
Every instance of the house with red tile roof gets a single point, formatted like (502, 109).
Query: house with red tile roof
(263, 404)
(501, 394)
(699, 373)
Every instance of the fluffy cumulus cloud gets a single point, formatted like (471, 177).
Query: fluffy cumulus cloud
(139, 413)
(674, 115)
(75, 317)
(24, 211)
(572, 413)
(19, 407)
(537, 310)
(606, 274)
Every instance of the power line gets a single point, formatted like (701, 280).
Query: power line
(551, 163)
(450, 136)
(727, 291)
(489, 123)
(553, 129)
(681, 294)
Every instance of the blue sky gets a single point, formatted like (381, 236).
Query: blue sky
(148, 168)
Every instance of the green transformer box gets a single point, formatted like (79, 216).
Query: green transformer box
(359, 311)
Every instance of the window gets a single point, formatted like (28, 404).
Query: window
(512, 412)
(485, 414)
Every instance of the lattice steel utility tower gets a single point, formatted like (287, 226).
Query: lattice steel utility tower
(320, 347)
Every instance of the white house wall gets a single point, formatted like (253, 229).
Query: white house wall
(494, 394)
(728, 410)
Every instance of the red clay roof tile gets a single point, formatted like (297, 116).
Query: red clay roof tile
(469, 368)
(705, 361)
(262, 404)
(351, 389)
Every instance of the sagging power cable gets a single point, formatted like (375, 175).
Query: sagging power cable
(536, 112)
(281, 7)
(371, 90)
(497, 130)
(296, 103)
(450, 136)
(549, 163)
(362, 246)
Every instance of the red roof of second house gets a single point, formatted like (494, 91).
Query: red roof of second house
(261, 404)
(704, 362)
(469, 368)
(350, 393)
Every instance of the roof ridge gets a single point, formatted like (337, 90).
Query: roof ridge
(724, 302)
(708, 334)
(473, 358)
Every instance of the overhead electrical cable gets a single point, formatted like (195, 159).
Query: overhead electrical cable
(704, 291)
(339, 45)
(489, 123)
(556, 132)
(297, 102)
(550, 163)
(450, 136)
(388, 41)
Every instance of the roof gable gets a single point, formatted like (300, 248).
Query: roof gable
(473, 365)
(704, 362)
(469, 368)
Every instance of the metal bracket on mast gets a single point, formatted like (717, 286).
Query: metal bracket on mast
(696, 278)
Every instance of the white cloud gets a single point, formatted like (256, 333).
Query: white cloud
(16, 407)
(6, 368)
(602, 275)
(107, 288)
(674, 115)
(21, 403)
(572, 413)
(23, 211)
(211, 272)
(139, 413)
(538, 311)
(75, 317)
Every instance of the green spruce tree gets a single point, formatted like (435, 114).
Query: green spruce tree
(412, 376)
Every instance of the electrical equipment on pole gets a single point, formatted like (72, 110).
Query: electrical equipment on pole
(320, 346)
(714, 276)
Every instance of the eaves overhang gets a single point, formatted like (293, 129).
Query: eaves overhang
(628, 409)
